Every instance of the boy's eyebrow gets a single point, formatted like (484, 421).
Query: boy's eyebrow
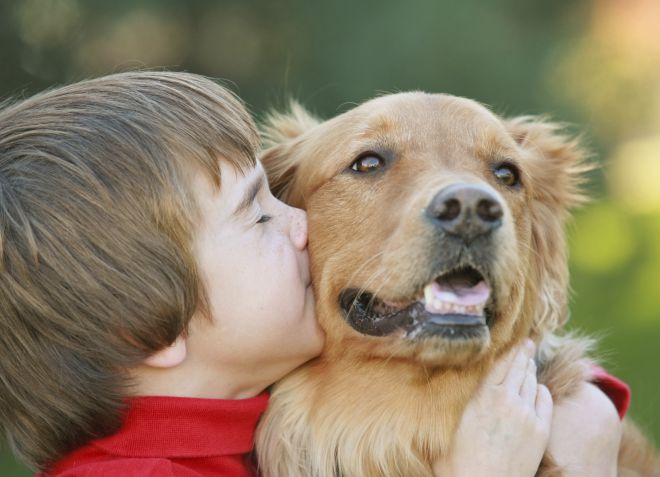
(250, 195)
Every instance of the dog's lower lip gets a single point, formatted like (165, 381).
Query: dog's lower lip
(456, 320)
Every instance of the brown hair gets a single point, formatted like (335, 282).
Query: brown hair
(96, 267)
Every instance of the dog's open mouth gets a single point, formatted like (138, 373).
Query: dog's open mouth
(456, 304)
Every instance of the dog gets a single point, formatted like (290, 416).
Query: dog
(436, 242)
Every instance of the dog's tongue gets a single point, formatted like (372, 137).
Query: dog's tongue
(440, 296)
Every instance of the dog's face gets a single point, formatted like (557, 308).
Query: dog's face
(434, 225)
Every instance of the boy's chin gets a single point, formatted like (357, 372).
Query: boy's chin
(314, 344)
(311, 347)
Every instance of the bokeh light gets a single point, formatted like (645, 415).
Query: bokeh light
(634, 175)
(602, 241)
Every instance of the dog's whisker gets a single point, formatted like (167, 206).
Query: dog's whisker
(366, 286)
(363, 289)
(364, 265)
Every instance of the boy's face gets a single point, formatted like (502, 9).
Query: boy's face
(251, 251)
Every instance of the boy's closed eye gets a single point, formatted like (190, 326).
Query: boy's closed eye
(249, 200)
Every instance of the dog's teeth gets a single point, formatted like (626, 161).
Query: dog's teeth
(457, 300)
(437, 306)
(429, 296)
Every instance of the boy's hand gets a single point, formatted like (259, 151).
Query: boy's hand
(505, 428)
(586, 434)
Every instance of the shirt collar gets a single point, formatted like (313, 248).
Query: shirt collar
(159, 426)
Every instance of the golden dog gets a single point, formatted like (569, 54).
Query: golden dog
(436, 239)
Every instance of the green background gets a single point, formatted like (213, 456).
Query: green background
(595, 64)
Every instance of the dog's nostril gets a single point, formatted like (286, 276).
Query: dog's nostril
(449, 210)
(489, 210)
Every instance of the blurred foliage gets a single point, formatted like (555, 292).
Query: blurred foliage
(593, 63)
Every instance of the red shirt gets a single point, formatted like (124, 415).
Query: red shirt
(614, 388)
(172, 437)
(189, 437)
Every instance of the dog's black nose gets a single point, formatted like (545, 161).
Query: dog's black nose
(465, 210)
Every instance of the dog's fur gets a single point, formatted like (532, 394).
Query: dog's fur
(388, 405)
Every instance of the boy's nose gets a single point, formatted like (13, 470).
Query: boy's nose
(298, 230)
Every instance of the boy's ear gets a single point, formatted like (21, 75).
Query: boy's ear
(169, 357)
(281, 137)
(555, 166)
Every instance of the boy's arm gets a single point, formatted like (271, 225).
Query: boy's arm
(586, 428)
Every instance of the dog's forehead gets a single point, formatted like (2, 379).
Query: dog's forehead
(415, 115)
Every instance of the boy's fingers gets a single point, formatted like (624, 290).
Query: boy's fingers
(518, 370)
(528, 390)
(502, 366)
(544, 405)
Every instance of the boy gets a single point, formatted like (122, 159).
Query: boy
(151, 287)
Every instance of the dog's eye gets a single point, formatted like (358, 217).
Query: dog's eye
(507, 174)
(368, 163)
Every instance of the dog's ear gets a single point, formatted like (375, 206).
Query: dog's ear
(280, 135)
(556, 166)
